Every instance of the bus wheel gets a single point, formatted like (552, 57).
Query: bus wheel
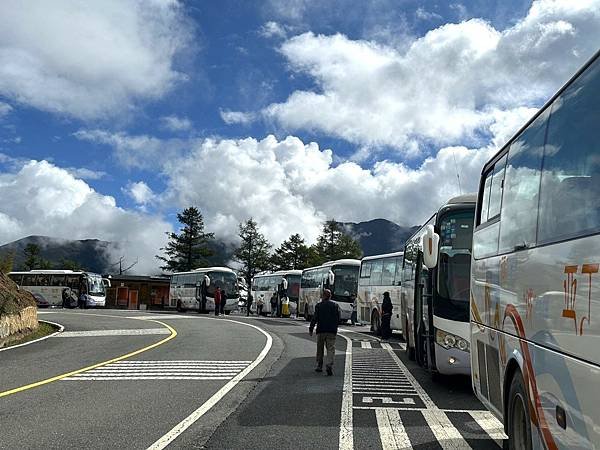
(519, 422)
(410, 352)
(375, 323)
(306, 315)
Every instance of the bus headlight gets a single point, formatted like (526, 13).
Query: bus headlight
(449, 340)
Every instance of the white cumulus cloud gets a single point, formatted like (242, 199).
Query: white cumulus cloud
(449, 86)
(92, 59)
(140, 192)
(43, 199)
(174, 123)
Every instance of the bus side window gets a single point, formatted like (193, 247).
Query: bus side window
(365, 273)
(388, 272)
(487, 242)
(521, 188)
(398, 276)
(376, 269)
(29, 280)
(16, 278)
(57, 280)
(570, 188)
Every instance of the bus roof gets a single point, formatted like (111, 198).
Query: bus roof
(52, 272)
(465, 198)
(337, 262)
(206, 269)
(279, 272)
(385, 255)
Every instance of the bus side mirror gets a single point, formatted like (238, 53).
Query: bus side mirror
(106, 282)
(331, 278)
(207, 281)
(429, 247)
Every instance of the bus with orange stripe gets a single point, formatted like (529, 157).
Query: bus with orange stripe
(535, 281)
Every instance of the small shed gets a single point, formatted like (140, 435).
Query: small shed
(137, 292)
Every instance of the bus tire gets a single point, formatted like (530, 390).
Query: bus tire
(410, 352)
(518, 420)
(376, 323)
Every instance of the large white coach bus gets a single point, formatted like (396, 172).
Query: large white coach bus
(265, 285)
(379, 274)
(535, 275)
(64, 288)
(435, 289)
(187, 288)
(340, 277)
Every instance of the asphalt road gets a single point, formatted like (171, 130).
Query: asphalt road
(225, 383)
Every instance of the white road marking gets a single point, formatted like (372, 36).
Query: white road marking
(97, 333)
(134, 378)
(163, 370)
(365, 344)
(346, 439)
(391, 430)
(444, 431)
(184, 361)
(206, 406)
(389, 400)
(490, 424)
(43, 338)
(387, 346)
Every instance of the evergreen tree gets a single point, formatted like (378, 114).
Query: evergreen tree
(293, 253)
(253, 252)
(32, 256)
(6, 262)
(189, 249)
(69, 264)
(334, 243)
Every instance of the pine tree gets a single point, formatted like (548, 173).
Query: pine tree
(253, 252)
(6, 262)
(189, 249)
(293, 253)
(334, 243)
(32, 256)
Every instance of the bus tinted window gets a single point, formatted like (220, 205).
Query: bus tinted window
(570, 192)
(496, 188)
(346, 281)
(521, 188)
(29, 280)
(485, 199)
(388, 272)
(365, 269)
(57, 280)
(16, 278)
(376, 269)
(398, 277)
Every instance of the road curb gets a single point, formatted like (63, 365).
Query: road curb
(61, 328)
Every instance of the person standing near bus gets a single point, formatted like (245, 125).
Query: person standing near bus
(386, 316)
(274, 305)
(217, 300)
(260, 303)
(326, 318)
(223, 301)
(353, 318)
(203, 289)
(249, 301)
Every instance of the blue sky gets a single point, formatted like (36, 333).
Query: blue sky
(134, 110)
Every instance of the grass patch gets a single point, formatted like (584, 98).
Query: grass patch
(44, 329)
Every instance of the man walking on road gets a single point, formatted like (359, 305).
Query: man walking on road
(327, 318)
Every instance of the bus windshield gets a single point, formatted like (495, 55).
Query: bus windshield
(96, 286)
(454, 266)
(346, 281)
(225, 280)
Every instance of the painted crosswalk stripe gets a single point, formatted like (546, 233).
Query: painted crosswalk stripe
(492, 426)
(365, 344)
(391, 430)
(444, 431)
(163, 370)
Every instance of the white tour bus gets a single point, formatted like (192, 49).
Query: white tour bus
(535, 275)
(186, 290)
(340, 277)
(379, 274)
(435, 289)
(265, 285)
(64, 288)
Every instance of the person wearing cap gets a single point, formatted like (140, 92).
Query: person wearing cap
(326, 318)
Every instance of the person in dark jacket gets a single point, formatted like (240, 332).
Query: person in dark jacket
(326, 318)
(386, 316)
(217, 301)
(249, 301)
(223, 301)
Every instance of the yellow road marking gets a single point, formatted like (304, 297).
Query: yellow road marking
(104, 363)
